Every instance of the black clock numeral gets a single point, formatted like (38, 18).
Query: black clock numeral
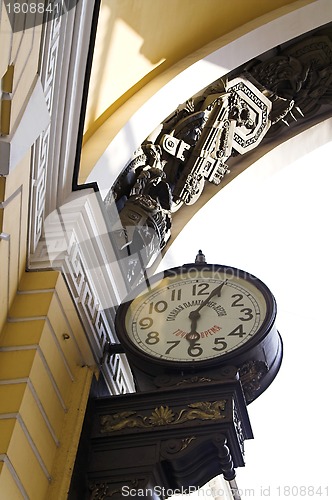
(152, 338)
(199, 289)
(220, 342)
(158, 307)
(145, 323)
(248, 315)
(238, 297)
(195, 350)
(238, 331)
(176, 294)
(174, 344)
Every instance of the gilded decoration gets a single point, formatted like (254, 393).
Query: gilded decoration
(174, 446)
(251, 374)
(103, 491)
(99, 491)
(194, 380)
(163, 415)
(224, 373)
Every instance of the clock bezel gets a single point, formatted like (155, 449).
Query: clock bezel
(133, 351)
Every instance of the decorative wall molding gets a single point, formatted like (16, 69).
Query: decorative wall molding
(41, 159)
(12, 206)
(35, 118)
(64, 50)
(76, 242)
(65, 229)
(7, 463)
(18, 417)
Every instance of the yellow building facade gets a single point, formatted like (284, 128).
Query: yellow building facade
(59, 280)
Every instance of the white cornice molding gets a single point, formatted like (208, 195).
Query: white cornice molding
(76, 242)
(72, 62)
(67, 229)
(33, 121)
(63, 58)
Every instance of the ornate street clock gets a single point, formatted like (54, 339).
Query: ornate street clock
(197, 319)
(202, 343)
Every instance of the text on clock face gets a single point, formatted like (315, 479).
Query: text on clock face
(192, 303)
(210, 331)
(196, 319)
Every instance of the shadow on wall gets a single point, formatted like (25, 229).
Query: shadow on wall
(172, 30)
(137, 36)
(99, 68)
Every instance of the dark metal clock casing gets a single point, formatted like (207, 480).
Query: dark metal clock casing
(199, 318)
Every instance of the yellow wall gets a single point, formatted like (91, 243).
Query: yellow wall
(14, 199)
(46, 365)
(16, 50)
(44, 386)
(18, 68)
(44, 377)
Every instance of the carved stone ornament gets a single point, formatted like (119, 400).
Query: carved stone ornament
(252, 115)
(163, 415)
(198, 142)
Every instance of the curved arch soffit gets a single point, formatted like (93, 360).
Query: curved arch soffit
(135, 132)
(109, 162)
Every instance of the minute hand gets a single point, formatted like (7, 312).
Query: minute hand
(195, 314)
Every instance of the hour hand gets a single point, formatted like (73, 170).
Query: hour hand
(193, 335)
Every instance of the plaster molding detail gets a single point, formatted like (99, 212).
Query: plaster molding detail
(42, 146)
(76, 242)
(11, 469)
(62, 67)
(34, 120)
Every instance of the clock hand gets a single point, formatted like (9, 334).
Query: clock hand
(216, 291)
(193, 335)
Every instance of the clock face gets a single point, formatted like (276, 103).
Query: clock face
(194, 314)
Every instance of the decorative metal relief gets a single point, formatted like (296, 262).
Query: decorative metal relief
(174, 446)
(224, 373)
(238, 428)
(163, 415)
(104, 491)
(196, 143)
(99, 491)
(251, 374)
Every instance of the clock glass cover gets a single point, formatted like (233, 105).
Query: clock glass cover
(195, 314)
